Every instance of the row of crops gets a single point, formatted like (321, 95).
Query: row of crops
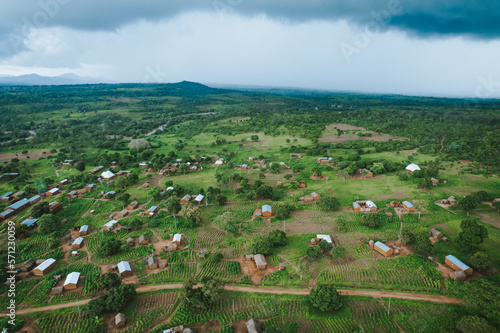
(382, 274)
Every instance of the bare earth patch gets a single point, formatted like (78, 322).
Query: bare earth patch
(34, 155)
(304, 222)
(353, 136)
(399, 195)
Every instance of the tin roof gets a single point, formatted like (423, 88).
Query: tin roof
(412, 167)
(382, 246)
(110, 223)
(260, 260)
(407, 204)
(84, 228)
(72, 278)
(78, 241)
(267, 208)
(29, 222)
(326, 238)
(19, 204)
(177, 238)
(457, 262)
(43, 266)
(107, 174)
(199, 197)
(54, 190)
(124, 266)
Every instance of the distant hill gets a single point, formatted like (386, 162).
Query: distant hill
(38, 80)
(188, 88)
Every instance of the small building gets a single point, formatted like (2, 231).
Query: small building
(28, 265)
(144, 164)
(65, 163)
(133, 205)
(19, 205)
(199, 199)
(7, 196)
(64, 182)
(107, 175)
(253, 326)
(52, 192)
(302, 184)
(109, 194)
(412, 168)
(178, 239)
(408, 206)
(367, 173)
(7, 213)
(267, 211)
(110, 225)
(260, 162)
(260, 261)
(44, 267)
(152, 262)
(71, 281)
(72, 194)
(77, 243)
(323, 160)
(55, 206)
(382, 249)
(18, 195)
(8, 176)
(124, 269)
(457, 265)
(30, 222)
(96, 170)
(130, 241)
(315, 196)
(306, 198)
(84, 229)
(120, 320)
(436, 233)
(34, 199)
(152, 211)
(194, 168)
(143, 240)
(113, 164)
(364, 206)
(89, 187)
(295, 156)
(326, 238)
(186, 199)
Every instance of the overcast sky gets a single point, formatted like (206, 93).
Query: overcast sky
(417, 47)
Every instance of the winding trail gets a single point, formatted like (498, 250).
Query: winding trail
(368, 293)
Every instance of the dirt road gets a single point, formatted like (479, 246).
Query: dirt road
(369, 293)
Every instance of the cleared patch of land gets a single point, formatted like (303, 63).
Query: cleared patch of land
(330, 134)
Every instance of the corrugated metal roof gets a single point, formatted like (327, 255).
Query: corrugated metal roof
(153, 208)
(78, 241)
(187, 197)
(325, 238)
(19, 204)
(43, 266)
(382, 246)
(124, 266)
(107, 174)
(35, 198)
(170, 188)
(260, 260)
(314, 194)
(177, 238)
(457, 262)
(370, 203)
(72, 278)
(84, 228)
(110, 223)
(29, 222)
(199, 197)
(54, 190)
(267, 208)
(412, 167)
(407, 204)
(7, 212)
(7, 195)
(355, 205)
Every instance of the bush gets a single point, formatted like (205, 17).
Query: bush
(313, 252)
(325, 298)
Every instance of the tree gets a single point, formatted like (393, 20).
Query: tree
(325, 246)
(124, 197)
(329, 203)
(135, 224)
(472, 234)
(118, 297)
(469, 203)
(480, 261)
(254, 138)
(107, 281)
(265, 192)
(277, 237)
(212, 289)
(497, 206)
(403, 176)
(406, 237)
(341, 222)
(317, 171)
(173, 205)
(209, 293)
(271, 329)
(275, 168)
(139, 144)
(325, 298)
(425, 183)
(422, 242)
(192, 213)
(47, 224)
(338, 253)
(262, 247)
(221, 199)
(474, 324)
(80, 166)
(288, 176)
(377, 168)
(371, 220)
(97, 306)
(108, 247)
(482, 296)
(40, 209)
(121, 182)
(133, 178)
(282, 211)
(225, 222)
(313, 252)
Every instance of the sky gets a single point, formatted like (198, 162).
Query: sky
(445, 48)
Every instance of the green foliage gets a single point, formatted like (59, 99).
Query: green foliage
(371, 220)
(313, 252)
(277, 238)
(480, 261)
(40, 209)
(283, 211)
(107, 280)
(113, 299)
(474, 324)
(406, 237)
(325, 246)
(325, 298)
(109, 246)
(48, 224)
(422, 242)
(329, 203)
(338, 253)
(472, 234)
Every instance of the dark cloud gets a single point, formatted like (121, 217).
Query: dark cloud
(475, 19)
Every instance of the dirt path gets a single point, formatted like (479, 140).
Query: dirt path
(369, 293)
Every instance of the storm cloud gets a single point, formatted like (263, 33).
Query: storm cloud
(472, 19)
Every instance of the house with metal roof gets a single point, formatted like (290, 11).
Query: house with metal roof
(267, 211)
(186, 199)
(110, 225)
(326, 238)
(71, 281)
(107, 175)
(55, 206)
(6, 196)
(457, 265)
(364, 206)
(408, 206)
(7, 213)
(124, 269)
(260, 261)
(28, 265)
(44, 267)
(152, 262)
(34, 199)
(152, 211)
(120, 320)
(143, 240)
(84, 229)
(199, 199)
(382, 249)
(411, 168)
(29, 222)
(109, 194)
(253, 326)
(77, 243)
(19, 205)
(52, 192)
(177, 238)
